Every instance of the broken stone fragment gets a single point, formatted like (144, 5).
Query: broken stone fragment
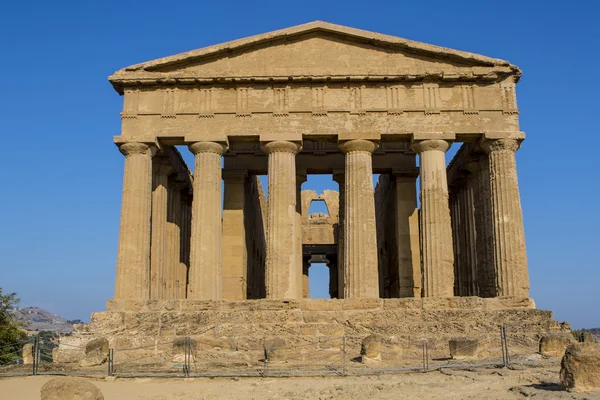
(580, 367)
(463, 347)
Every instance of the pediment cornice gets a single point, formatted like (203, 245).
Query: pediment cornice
(173, 70)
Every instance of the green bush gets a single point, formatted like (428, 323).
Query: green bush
(12, 335)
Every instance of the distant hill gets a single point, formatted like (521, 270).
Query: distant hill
(595, 332)
(38, 319)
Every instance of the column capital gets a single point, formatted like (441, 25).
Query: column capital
(419, 146)
(207, 147)
(132, 148)
(491, 145)
(358, 145)
(281, 146)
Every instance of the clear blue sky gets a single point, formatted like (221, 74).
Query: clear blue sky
(61, 175)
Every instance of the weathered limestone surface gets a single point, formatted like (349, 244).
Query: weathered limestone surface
(436, 230)
(247, 325)
(283, 274)
(360, 232)
(133, 260)
(555, 345)
(205, 264)
(510, 256)
(580, 367)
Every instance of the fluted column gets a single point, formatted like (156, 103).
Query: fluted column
(205, 257)
(305, 281)
(407, 235)
(339, 177)
(510, 255)
(361, 275)
(300, 179)
(486, 275)
(436, 229)
(283, 274)
(158, 247)
(186, 241)
(333, 279)
(174, 222)
(235, 257)
(133, 260)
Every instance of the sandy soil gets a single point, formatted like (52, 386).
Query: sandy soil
(478, 383)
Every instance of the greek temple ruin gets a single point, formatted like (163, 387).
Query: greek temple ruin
(326, 99)
(320, 99)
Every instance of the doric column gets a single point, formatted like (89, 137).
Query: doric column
(235, 270)
(186, 241)
(486, 274)
(510, 256)
(175, 268)
(300, 179)
(436, 229)
(282, 270)
(158, 247)
(205, 257)
(339, 177)
(361, 277)
(305, 281)
(333, 279)
(407, 234)
(133, 260)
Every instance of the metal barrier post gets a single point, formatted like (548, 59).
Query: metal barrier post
(424, 352)
(266, 362)
(186, 371)
(344, 354)
(426, 356)
(502, 346)
(506, 346)
(110, 361)
(34, 356)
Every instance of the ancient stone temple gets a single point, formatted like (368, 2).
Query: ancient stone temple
(318, 99)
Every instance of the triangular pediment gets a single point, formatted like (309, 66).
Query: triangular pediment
(314, 50)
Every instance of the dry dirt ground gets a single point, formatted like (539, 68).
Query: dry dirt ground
(478, 383)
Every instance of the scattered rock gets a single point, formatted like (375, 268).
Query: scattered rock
(370, 348)
(554, 345)
(27, 354)
(275, 349)
(463, 347)
(68, 388)
(96, 353)
(55, 355)
(580, 367)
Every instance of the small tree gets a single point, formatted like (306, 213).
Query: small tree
(12, 335)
